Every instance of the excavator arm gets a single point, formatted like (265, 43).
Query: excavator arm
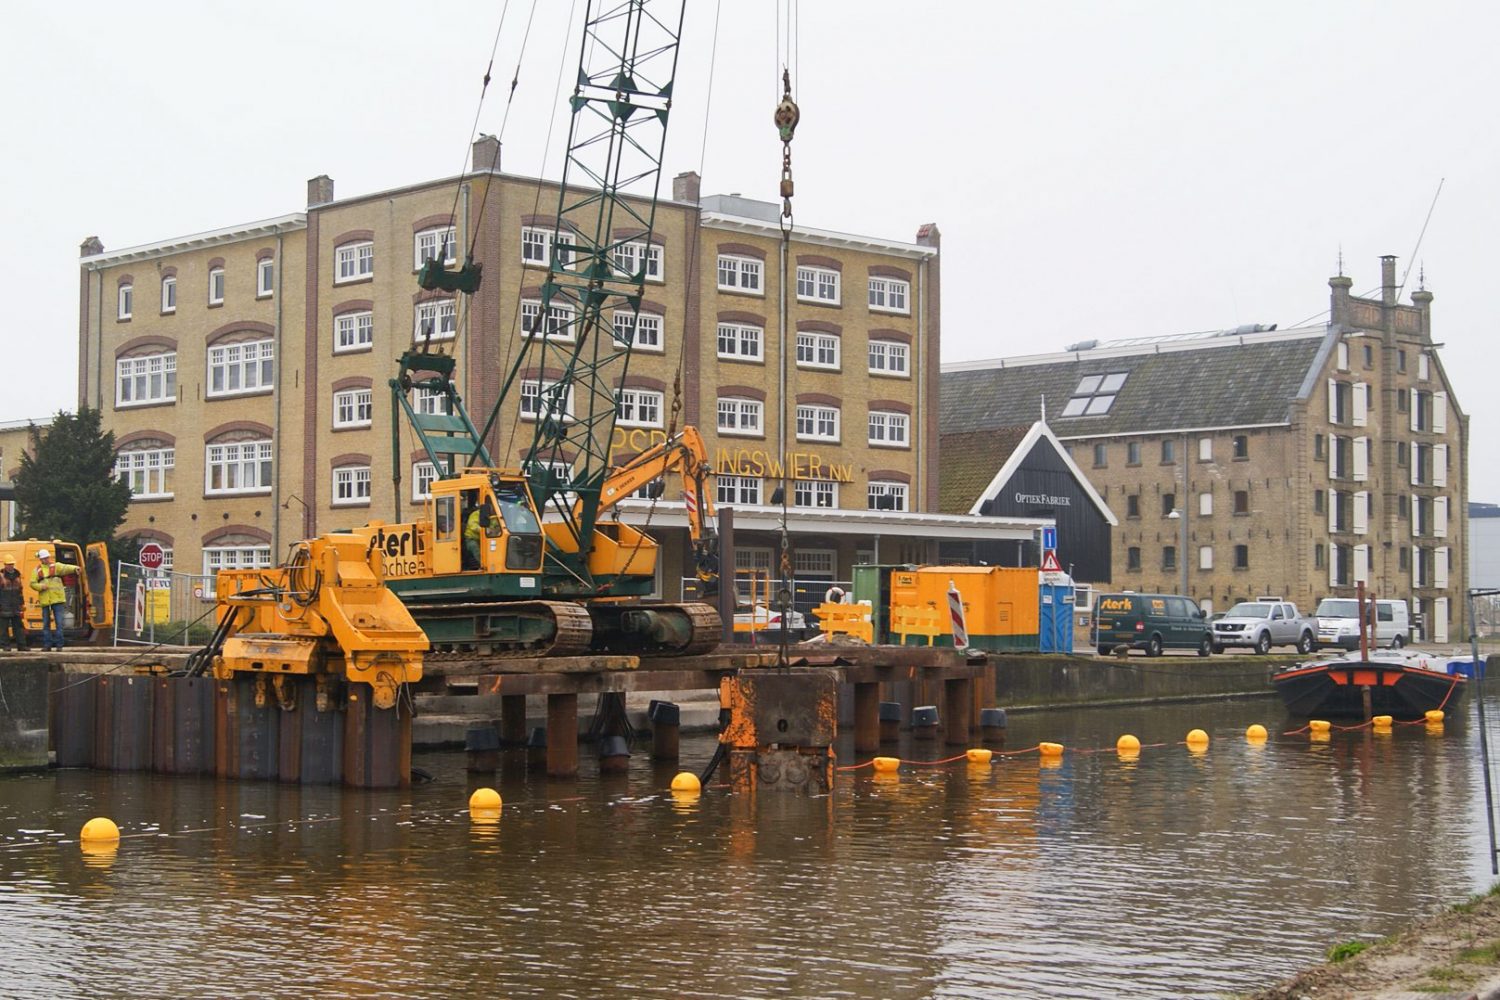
(684, 453)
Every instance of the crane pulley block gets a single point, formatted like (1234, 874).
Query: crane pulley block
(434, 277)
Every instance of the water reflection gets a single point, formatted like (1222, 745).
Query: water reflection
(1084, 875)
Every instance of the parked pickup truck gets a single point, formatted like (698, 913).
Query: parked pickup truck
(1263, 624)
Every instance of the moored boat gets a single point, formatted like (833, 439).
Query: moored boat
(1405, 684)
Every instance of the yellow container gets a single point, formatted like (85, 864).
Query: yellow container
(1001, 604)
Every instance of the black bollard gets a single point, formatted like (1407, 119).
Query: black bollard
(992, 722)
(890, 721)
(924, 722)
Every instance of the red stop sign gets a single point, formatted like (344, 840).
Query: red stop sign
(152, 556)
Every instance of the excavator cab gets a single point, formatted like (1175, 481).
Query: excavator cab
(485, 522)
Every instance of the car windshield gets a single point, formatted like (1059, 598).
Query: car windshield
(1250, 610)
(1337, 609)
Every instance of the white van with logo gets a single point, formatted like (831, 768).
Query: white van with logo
(1338, 623)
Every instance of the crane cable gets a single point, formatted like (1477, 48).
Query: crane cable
(786, 117)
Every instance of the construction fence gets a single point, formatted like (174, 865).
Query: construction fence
(159, 607)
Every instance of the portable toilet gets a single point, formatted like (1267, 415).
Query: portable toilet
(872, 584)
(1055, 612)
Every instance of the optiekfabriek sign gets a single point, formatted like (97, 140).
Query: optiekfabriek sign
(1043, 500)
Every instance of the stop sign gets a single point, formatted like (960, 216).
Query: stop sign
(152, 556)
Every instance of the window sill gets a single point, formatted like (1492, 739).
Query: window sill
(216, 305)
(145, 406)
(639, 348)
(902, 446)
(169, 312)
(362, 279)
(1241, 458)
(259, 296)
(345, 504)
(742, 434)
(747, 292)
(417, 270)
(634, 423)
(738, 359)
(818, 440)
(232, 494)
(122, 319)
(803, 366)
(210, 397)
(340, 428)
(890, 312)
(824, 303)
(1242, 513)
(363, 349)
(1132, 465)
(884, 374)
(162, 498)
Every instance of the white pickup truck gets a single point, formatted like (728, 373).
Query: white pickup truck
(1263, 624)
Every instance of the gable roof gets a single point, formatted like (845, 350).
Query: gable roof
(964, 458)
(1206, 382)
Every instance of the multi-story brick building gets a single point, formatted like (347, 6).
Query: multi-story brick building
(254, 361)
(1260, 461)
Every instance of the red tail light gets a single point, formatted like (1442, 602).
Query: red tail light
(1140, 626)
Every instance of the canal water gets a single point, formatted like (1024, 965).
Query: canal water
(1177, 875)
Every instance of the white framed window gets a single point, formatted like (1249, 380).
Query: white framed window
(814, 563)
(740, 274)
(740, 341)
(217, 557)
(817, 423)
(353, 408)
(240, 467)
(886, 496)
(147, 471)
(889, 430)
(167, 559)
(627, 261)
(890, 295)
(737, 490)
(215, 286)
(817, 350)
(1205, 504)
(436, 318)
(151, 378)
(889, 357)
(351, 486)
(438, 242)
(558, 326)
(235, 369)
(537, 243)
(265, 277)
(353, 331)
(640, 331)
(818, 284)
(1095, 394)
(423, 474)
(354, 261)
(1424, 370)
(740, 416)
(1205, 557)
(126, 301)
(552, 399)
(431, 401)
(1205, 449)
(638, 408)
(815, 493)
(169, 294)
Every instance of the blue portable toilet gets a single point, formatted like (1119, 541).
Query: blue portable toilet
(1055, 621)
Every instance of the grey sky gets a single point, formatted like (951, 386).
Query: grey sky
(1097, 170)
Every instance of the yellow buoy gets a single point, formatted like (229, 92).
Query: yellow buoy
(979, 755)
(1197, 738)
(1381, 723)
(482, 816)
(484, 798)
(1319, 726)
(885, 765)
(686, 782)
(1127, 744)
(1435, 716)
(1256, 733)
(1051, 749)
(99, 829)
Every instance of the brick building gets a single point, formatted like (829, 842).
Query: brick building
(1259, 461)
(244, 371)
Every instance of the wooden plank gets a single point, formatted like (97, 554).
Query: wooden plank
(483, 666)
(599, 683)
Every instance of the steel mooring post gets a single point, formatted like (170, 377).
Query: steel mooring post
(866, 716)
(958, 698)
(562, 735)
(513, 720)
(782, 725)
(666, 729)
(377, 741)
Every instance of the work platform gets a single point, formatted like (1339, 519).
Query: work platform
(107, 714)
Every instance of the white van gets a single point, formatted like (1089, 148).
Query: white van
(1338, 623)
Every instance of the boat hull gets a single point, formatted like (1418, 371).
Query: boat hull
(1336, 689)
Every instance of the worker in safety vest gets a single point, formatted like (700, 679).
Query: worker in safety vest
(47, 581)
(472, 533)
(12, 606)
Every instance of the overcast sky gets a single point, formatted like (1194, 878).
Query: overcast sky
(1097, 170)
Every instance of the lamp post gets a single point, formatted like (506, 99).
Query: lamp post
(1179, 515)
(306, 512)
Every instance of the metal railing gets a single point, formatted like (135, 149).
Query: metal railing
(156, 606)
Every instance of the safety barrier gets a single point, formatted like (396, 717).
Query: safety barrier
(919, 621)
(835, 618)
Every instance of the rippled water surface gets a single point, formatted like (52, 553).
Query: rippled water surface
(1178, 875)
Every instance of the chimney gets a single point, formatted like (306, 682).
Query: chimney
(1338, 304)
(486, 154)
(1388, 279)
(928, 235)
(90, 247)
(319, 191)
(687, 187)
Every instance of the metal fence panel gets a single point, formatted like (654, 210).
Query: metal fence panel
(154, 607)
